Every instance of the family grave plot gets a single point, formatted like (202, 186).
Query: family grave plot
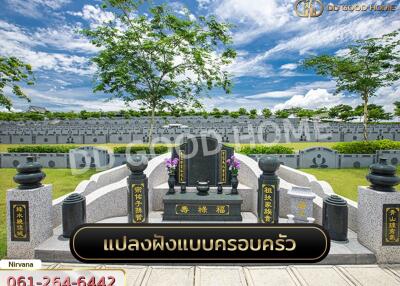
(202, 163)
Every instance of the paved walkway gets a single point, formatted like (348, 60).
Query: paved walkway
(299, 275)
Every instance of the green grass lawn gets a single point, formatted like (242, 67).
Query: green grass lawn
(344, 181)
(295, 145)
(63, 182)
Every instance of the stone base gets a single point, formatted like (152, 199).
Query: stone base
(192, 207)
(370, 223)
(40, 220)
(56, 248)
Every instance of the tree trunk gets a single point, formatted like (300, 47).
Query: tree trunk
(365, 97)
(150, 133)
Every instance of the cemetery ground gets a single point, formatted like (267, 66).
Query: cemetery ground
(63, 182)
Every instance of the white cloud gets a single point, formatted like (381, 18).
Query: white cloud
(386, 96)
(242, 66)
(299, 36)
(204, 3)
(273, 94)
(332, 36)
(255, 18)
(289, 67)
(94, 15)
(321, 97)
(315, 98)
(71, 99)
(35, 8)
(20, 43)
(63, 38)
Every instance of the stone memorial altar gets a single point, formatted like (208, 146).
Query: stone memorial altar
(203, 163)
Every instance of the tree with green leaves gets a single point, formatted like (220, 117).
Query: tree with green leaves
(267, 113)
(397, 108)
(13, 73)
(375, 112)
(305, 113)
(155, 56)
(367, 66)
(282, 114)
(253, 114)
(242, 111)
(343, 112)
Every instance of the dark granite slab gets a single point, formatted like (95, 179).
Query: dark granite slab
(192, 207)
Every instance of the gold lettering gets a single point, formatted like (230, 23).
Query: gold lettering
(202, 209)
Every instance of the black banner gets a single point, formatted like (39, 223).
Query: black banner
(200, 243)
(391, 224)
(19, 216)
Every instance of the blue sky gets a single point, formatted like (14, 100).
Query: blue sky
(270, 39)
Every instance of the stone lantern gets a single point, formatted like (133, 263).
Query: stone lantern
(383, 176)
(29, 174)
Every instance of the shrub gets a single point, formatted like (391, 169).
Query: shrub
(368, 147)
(157, 149)
(263, 149)
(42, 149)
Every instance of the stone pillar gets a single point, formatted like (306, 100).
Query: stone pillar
(29, 211)
(138, 192)
(268, 190)
(379, 213)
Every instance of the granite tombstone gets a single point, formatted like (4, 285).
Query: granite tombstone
(203, 159)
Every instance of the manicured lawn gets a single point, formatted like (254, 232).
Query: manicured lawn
(344, 181)
(296, 145)
(63, 182)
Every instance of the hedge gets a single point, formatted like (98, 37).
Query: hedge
(42, 149)
(157, 149)
(366, 147)
(263, 149)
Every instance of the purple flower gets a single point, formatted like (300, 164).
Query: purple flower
(233, 164)
(171, 164)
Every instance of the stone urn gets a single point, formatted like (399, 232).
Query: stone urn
(220, 189)
(171, 183)
(235, 184)
(383, 176)
(29, 174)
(202, 188)
(183, 187)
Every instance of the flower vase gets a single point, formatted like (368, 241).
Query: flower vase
(235, 184)
(171, 184)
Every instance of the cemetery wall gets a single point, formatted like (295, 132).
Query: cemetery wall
(92, 157)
